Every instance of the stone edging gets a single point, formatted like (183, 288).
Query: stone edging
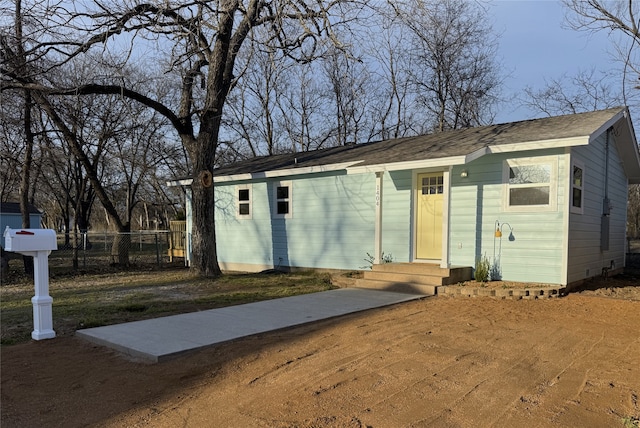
(502, 293)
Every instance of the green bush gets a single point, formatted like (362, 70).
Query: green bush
(386, 258)
(483, 269)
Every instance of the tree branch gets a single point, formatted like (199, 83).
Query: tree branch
(182, 125)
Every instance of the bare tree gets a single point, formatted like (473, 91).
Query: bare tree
(347, 79)
(633, 212)
(586, 91)
(20, 61)
(11, 146)
(253, 119)
(204, 39)
(393, 106)
(303, 105)
(456, 72)
(617, 18)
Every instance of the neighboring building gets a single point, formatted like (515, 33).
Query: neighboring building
(10, 216)
(545, 200)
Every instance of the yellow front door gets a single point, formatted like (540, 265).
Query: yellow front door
(429, 216)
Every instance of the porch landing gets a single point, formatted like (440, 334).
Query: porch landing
(416, 278)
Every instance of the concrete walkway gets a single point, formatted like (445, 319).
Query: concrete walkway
(158, 339)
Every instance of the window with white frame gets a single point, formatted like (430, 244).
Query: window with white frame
(577, 187)
(283, 194)
(244, 207)
(530, 184)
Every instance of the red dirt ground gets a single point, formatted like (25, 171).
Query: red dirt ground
(445, 362)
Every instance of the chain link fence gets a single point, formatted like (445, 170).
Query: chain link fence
(109, 249)
(633, 253)
(112, 252)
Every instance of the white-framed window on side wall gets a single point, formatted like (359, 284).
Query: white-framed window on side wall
(283, 199)
(530, 184)
(244, 206)
(577, 187)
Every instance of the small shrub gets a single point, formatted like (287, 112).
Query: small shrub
(495, 272)
(386, 258)
(631, 422)
(483, 269)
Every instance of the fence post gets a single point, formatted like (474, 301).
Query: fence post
(157, 249)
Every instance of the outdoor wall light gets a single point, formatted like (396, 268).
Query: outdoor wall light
(464, 173)
(499, 227)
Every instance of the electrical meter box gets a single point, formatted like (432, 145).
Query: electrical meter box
(21, 240)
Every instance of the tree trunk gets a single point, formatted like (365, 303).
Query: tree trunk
(121, 246)
(28, 136)
(204, 260)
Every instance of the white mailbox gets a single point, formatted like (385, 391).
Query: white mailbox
(28, 240)
(37, 243)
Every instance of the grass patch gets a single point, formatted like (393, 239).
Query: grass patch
(95, 300)
(631, 422)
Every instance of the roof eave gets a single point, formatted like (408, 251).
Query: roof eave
(285, 172)
(399, 166)
(627, 146)
(540, 144)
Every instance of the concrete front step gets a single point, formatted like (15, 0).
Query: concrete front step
(420, 273)
(419, 268)
(400, 287)
(418, 278)
(412, 278)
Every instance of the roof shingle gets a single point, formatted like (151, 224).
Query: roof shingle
(432, 146)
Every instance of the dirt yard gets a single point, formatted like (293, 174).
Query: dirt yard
(442, 362)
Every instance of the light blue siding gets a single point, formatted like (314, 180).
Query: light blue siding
(333, 220)
(396, 215)
(586, 259)
(332, 225)
(248, 241)
(535, 252)
(14, 221)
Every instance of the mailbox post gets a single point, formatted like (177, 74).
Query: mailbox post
(36, 243)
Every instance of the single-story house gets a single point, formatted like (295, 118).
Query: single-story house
(543, 200)
(10, 216)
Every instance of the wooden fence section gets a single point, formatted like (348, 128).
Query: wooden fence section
(177, 239)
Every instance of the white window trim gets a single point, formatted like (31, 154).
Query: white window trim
(277, 184)
(574, 209)
(553, 184)
(238, 201)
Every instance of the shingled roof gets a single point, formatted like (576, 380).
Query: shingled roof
(14, 208)
(450, 144)
(449, 148)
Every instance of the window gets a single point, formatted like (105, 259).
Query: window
(432, 185)
(577, 187)
(243, 201)
(530, 184)
(283, 196)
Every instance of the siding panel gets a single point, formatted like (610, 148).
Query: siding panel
(535, 253)
(585, 256)
(332, 224)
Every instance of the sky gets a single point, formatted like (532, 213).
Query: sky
(534, 45)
